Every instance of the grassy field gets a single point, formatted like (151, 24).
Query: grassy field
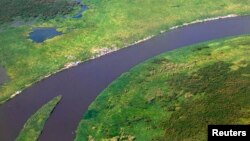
(34, 125)
(175, 96)
(107, 24)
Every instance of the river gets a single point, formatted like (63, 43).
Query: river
(80, 85)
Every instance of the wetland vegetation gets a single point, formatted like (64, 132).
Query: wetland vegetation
(107, 24)
(28, 9)
(170, 97)
(175, 96)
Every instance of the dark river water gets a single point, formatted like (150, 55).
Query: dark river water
(80, 85)
(39, 35)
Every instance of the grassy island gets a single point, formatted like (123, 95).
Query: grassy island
(34, 125)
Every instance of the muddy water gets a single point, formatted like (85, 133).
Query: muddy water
(80, 85)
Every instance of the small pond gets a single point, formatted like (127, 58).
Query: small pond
(39, 35)
(79, 14)
(83, 8)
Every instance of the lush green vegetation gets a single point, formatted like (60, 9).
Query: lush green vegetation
(34, 126)
(107, 24)
(176, 95)
(27, 9)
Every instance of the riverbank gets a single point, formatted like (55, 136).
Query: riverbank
(104, 26)
(147, 102)
(105, 51)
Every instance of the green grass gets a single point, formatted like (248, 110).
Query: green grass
(107, 24)
(34, 125)
(175, 95)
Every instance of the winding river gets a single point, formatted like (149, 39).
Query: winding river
(80, 85)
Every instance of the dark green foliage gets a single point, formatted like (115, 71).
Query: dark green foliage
(90, 114)
(221, 102)
(207, 79)
(45, 9)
